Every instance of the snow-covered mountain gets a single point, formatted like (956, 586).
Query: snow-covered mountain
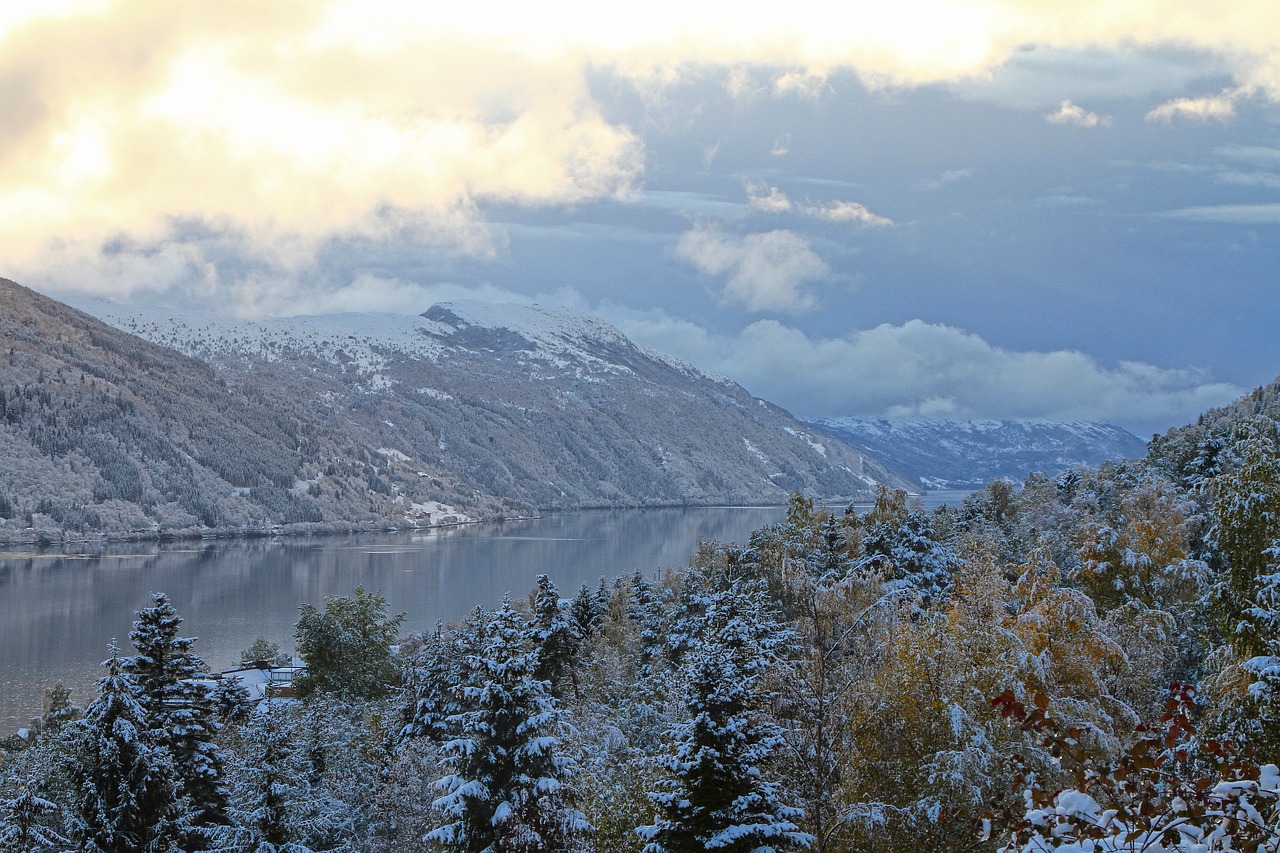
(541, 407)
(103, 433)
(947, 453)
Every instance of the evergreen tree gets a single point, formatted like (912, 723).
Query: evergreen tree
(57, 709)
(179, 710)
(435, 674)
(126, 790)
(899, 542)
(507, 785)
(25, 823)
(269, 788)
(586, 614)
(230, 701)
(347, 647)
(553, 637)
(714, 795)
(1246, 519)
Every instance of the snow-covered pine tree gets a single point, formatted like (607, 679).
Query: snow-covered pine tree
(126, 790)
(436, 675)
(586, 614)
(899, 542)
(507, 789)
(553, 637)
(230, 701)
(26, 823)
(1245, 514)
(714, 795)
(646, 613)
(1249, 692)
(269, 787)
(179, 710)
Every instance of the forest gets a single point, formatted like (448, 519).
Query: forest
(1088, 662)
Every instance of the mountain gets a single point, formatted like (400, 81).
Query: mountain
(947, 453)
(103, 432)
(1199, 450)
(543, 408)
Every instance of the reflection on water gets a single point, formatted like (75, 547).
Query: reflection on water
(58, 611)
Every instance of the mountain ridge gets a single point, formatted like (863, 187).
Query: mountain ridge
(952, 453)
(494, 410)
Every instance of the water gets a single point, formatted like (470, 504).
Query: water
(59, 610)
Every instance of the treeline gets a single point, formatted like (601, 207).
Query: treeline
(1085, 663)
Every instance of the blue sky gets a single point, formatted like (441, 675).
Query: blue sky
(979, 209)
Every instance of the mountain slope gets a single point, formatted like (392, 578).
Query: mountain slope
(1196, 451)
(101, 431)
(545, 408)
(946, 453)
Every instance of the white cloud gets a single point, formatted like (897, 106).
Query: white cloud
(767, 199)
(255, 124)
(1258, 155)
(848, 211)
(923, 368)
(1220, 107)
(1250, 179)
(764, 272)
(781, 146)
(950, 176)
(801, 84)
(1074, 114)
(742, 85)
(1230, 214)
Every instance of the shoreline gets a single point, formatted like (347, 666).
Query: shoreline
(30, 538)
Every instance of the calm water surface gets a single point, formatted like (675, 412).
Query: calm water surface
(59, 610)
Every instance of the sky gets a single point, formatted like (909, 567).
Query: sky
(974, 208)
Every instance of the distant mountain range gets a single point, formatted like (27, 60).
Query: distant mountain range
(174, 423)
(945, 453)
(153, 422)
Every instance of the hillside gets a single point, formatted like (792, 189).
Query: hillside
(543, 408)
(101, 431)
(1202, 449)
(947, 453)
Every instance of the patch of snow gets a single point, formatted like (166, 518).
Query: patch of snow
(434, 512)
(755, 451)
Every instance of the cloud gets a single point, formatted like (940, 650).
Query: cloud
(848, 211)
(287, 126)
(1073, 114)
(801, 84)
(259, 124)
(764, 272)
(1229, 214)
(767, 199)
(1251, 179)
(922, 368)
(950, 176)
(1059, 201)
(1258, 155)
(1220, 107)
